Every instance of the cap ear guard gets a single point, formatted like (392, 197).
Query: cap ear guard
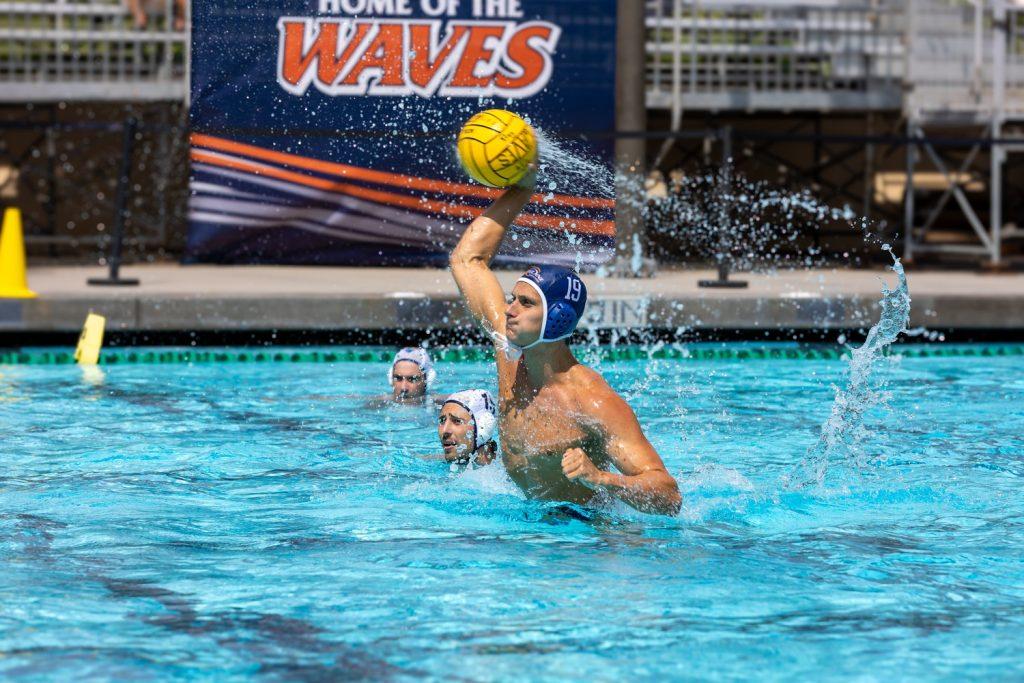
(485, 425)
(561, 321)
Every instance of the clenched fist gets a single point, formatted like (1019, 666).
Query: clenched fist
(578, 466)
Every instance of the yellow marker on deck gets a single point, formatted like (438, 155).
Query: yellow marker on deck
(13, 280)
(91, 340)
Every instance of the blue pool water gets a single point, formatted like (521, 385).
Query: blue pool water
(219, 521)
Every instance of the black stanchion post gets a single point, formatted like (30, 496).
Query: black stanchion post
(724, 255)
(120, 200)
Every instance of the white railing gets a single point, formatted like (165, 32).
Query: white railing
(958, 63)
(918, 55)
(57, 50)
(723, 54)
(926, 57)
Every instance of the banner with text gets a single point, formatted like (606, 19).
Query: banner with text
(324, 130)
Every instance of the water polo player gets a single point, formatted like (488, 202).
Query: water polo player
(562, 427)
(411, 375)
(466, 427)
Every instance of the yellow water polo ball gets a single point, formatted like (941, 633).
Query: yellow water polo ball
(496, 147)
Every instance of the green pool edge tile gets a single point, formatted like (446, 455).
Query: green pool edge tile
(682, 352)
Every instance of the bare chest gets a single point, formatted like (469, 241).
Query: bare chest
(534, 436)
(537, 428)
(541, 425)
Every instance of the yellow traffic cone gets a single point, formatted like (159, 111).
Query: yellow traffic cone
(13, 281)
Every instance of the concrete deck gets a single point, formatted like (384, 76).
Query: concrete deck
(178, 298)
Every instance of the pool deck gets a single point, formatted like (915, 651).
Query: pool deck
(244, 298)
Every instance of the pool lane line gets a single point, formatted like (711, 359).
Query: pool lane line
(111, 357)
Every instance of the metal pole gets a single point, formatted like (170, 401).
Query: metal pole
(910, 151)
(164, 145)
(996, 197)
(908, 196)
(998, 151)
(120, 200)
(677, 74)
(630, 153)
(188, 54)
(724, 255)
(53, 200)
(869, 168)
(817, 170)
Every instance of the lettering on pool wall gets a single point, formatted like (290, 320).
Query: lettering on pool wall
(389, 57)
(616, 313)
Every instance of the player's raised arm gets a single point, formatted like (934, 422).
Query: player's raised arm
(470, 260)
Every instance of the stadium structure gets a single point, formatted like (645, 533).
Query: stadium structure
(907, 111)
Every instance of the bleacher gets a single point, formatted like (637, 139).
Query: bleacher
(769, 55)
(67, 50)
(828, 55)
(832, 55)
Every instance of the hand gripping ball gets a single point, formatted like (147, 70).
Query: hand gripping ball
(496, 148)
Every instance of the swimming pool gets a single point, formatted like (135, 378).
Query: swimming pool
(225, 519)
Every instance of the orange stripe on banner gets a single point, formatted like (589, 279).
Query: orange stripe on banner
(382, 177)
(580, 225)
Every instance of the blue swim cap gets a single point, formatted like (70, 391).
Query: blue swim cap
(563, 295)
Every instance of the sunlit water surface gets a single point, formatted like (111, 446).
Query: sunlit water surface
(224, 520)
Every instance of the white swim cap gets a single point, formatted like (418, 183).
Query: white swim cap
(417, 355)
(480, 404)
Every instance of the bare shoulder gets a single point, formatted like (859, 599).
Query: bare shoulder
(623, 439)
(595, 397)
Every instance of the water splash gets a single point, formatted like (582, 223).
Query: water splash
(844, 430)
(767, 228)
(714, 213)
(566, 167)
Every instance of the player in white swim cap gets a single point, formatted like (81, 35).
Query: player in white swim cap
(411, 374)
(466, 427)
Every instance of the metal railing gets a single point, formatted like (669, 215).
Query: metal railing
(924, 57)
(65, 174)
(963, 61)
(965, 67)
(702, 54)
(67, 50)
(724, 54)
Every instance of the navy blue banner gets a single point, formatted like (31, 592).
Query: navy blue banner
(324, 131)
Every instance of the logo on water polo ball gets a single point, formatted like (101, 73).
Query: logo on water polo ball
(518, 148)
(409, 57)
